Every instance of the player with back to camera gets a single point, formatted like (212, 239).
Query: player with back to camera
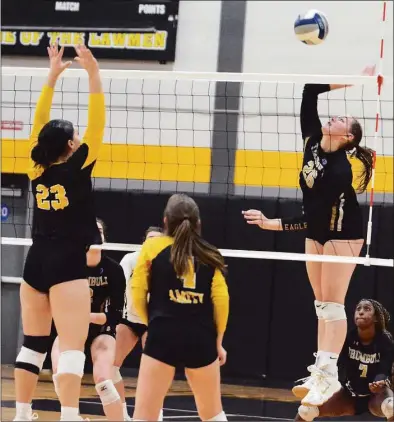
(333, 222)
(187, 312)
(107, 285)
(64, 226)
(365, 365)
(131, 328)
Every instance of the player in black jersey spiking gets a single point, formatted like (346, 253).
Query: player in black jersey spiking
(365, 366)
(333, 223)
(64, 225)
(107, 285)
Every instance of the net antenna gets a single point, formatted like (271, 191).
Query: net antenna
(376, 134)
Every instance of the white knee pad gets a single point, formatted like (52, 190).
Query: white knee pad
(220, 417)
(30, 360)
(331, 311)
(388, 407)
(318, 310)
(107, 392)
(71, 362)
(117, 377)
(308, 413)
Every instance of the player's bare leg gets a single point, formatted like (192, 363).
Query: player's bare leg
(125, 343)
(70, 304)
(36, 321)
(335, 282)
(103, 356)
(154, 381)
(314, 270)
(205, 384)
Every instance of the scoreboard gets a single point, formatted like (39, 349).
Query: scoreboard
(113, 29)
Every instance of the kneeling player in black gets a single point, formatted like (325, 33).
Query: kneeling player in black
(365, 365)
(187, 312)
(107, 286)
(64, 226)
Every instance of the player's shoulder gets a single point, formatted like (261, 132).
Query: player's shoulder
(129, 258)
(154, 245)
(385, 340)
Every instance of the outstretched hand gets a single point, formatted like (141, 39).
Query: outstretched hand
(86, 59)
(57, 65)
(254, 216)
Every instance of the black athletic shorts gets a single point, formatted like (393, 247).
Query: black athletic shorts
(53, 262)
(322, 236)
(138, 329)
(180, 344)
(361, 404)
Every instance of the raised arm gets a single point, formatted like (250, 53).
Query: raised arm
(94, 134)
(309, 116)
(44, 104)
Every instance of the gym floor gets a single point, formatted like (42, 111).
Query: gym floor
(241, 403)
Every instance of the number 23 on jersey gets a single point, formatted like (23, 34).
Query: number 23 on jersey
(59, 201)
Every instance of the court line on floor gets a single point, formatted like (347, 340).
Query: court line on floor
(273, 418)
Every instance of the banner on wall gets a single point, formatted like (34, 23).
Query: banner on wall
(112, 29)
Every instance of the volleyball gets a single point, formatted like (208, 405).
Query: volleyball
(312, 27)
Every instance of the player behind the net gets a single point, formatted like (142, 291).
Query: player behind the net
(365, 365)
(187, 313)
(131, 328)
(333, 222)
(107, 286)
(64, 226)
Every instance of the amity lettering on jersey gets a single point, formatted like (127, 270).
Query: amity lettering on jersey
(362, 364)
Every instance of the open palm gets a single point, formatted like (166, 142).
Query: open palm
(57, 65)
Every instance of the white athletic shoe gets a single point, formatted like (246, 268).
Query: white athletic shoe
(127, 418)
(302, 390)
(324, 387)
(31, 417)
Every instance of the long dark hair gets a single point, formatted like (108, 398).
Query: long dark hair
(52, 142)
(182, 221)
(364, 154)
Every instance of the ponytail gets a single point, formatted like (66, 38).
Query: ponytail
(181, 250)
(40, 157)
(208, 254)
(366, 156)
(52, 142)
(188, 243)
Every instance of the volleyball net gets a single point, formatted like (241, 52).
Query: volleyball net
(222, 138)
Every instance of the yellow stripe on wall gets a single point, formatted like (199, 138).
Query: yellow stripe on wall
(139, 162)
(279, 168)
(189, 164)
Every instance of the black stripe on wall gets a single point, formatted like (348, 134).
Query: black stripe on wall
(227, 95)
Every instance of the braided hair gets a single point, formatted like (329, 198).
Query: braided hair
(382, 316)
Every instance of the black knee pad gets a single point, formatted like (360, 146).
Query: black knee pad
(33, 353)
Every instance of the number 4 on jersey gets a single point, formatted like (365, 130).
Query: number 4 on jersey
(58, 203)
